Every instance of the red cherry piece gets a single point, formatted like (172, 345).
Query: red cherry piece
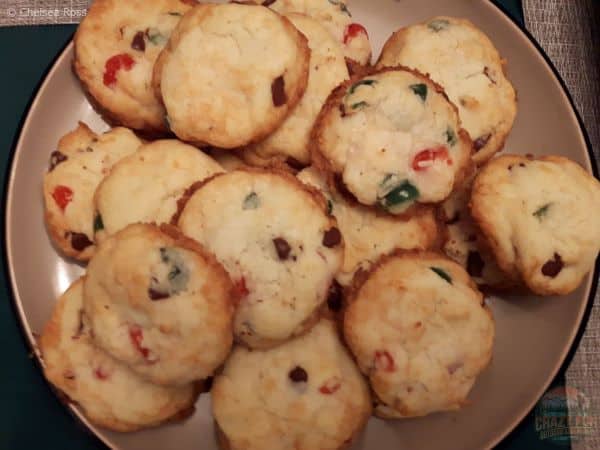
(113, 65)
(100, 373)
(353, 30)
(330, 386)
(426, 158)
(384, 361)
(240, 287)
(62, 196)
(136, 335)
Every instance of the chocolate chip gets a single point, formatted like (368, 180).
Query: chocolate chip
(481, 141)
(298, 375)
(521, 164)
(80, 241)
(278, 91)
(332, 237)
(56, 158)
(282, 247)
(138, 42)
(553, 267)
(268, 2)
(157, 295)
(335, 297)
(475, 264)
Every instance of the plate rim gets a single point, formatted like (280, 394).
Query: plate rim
(29, 339)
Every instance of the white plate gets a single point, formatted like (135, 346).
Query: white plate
(533, 335)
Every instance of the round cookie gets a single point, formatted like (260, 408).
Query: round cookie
(393, 140)
(108, 393)
(369, 234)
(276, 240)
(231, 73)
(306, 394)
(419, 329)
(145, 186)
(116, 46)
(541, 219)
(327, 71)
(159, 303)
(335, 16)
(79, 164)
(463, 242)
(460, 57)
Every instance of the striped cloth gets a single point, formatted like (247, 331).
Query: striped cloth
(567, 30)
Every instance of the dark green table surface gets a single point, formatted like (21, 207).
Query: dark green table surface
(30, 415)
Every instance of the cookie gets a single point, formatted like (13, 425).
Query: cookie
(276, 240)
(419, 329)
(116, 46)
(159, 303)
(463, 242)
(327, 70)
(393, 140)
(231, 73)
(306, 394)
(108, 393)
(145, 186)
(541, 219)
(460, 57)
(79, 164)
(336, 17)
(370, 234)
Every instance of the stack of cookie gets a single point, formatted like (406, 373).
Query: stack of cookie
(309, 229)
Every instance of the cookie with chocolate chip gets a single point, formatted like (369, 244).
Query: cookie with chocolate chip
(116, 46)
(77, 166)
(159, 303)
(145, 186)
(327, 70)
(420, 331)
(541, 219)
(464, 244)
(462, 59)
(231, 73)
(108, 393)
(275, 238)
(306, 394)
(335, 16)
(370, 234)
(392, 139)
